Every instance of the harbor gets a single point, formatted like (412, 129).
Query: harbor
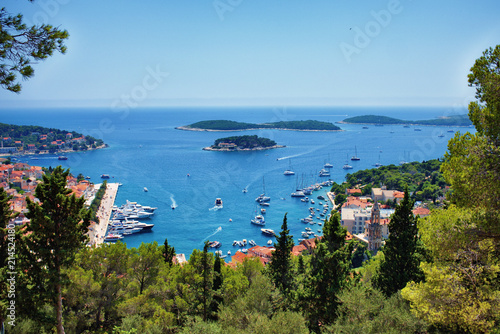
(99, 229)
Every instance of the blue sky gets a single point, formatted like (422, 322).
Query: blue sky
(258, 52)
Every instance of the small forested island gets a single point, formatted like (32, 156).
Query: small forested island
(454, 120)
(242, 143)
(224, 125)
(32, 139)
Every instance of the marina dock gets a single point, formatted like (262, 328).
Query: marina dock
(104, 214)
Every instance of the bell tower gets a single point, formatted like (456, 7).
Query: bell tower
(374, 230)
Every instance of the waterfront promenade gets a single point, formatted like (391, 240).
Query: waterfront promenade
(104, 213)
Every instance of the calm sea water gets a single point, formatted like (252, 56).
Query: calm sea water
(145, 150)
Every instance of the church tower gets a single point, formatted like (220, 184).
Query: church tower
(374, 230)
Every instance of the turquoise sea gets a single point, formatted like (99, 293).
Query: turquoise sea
(145, 150)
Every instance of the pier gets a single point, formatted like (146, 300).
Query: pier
(103, 214)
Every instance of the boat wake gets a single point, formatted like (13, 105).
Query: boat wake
(217, 230)
(216, 208)
(174, 203)
(293, 156)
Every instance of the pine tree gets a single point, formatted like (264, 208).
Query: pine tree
(57, 230)
(280, 266)
(402, 251)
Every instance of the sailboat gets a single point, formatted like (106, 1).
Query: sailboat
(289, 170)
(347, 166)
(355, 156)
(378, 164)
(262, 197)
(327, 164)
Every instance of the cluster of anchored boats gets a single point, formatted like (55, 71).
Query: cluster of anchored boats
(125, 221)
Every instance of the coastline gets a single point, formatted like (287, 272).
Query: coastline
(210, 148)
(396, 124)
(184, 128)
(47, 152)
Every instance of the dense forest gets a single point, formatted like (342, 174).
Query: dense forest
(438, 274)
(246, 142)
(453, 120)
(32, 134)
(223, 125)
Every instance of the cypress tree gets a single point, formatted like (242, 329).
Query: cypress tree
(402, 251)
(168, 253)
(56, 231)
(329, 273)
(280, 266)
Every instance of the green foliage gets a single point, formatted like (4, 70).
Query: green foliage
(21, 45)
(366, 310)
(225, 125)
(144, 264)
(96, 202)
(279, 269)
(168, 253)
(403, 251)
(328, 275)
(423, 178)
(360, 253)
(246, 141)
(57, 230)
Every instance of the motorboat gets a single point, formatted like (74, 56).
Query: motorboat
(218, 202)
(113, 237)
(62, 157)
(298, 194)
(263, 198)
(104, 176)
(267, 231)
(324, 173)
(258, 220)
(214, 244)
(145, 189)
